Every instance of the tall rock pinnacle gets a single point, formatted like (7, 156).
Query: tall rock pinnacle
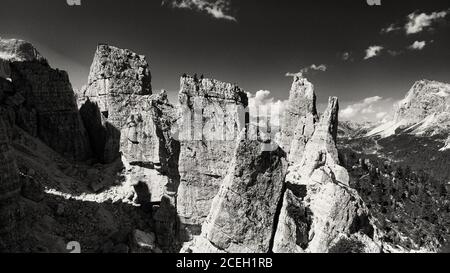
(242, 216)
(212, 118)
(300, 117)
(117, 102)
(319, 208)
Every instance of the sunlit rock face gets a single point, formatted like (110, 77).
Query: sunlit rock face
(13, 50)
(43, 100)
(120, 85)
(318, 205)
(300, 118)
(425, 111)
(212, 115)
(424, 99)
(242, 214)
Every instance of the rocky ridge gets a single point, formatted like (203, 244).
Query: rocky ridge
(139, 175)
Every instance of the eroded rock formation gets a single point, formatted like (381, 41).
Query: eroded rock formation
(42, 99)
(300, 117)
(123, 118)
(319, 207)
(195, 173)
(212, 115)
(242, 215)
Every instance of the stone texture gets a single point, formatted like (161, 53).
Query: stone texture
(43, 100)
(212, 115)
(13, 50)
(424, 99)
(318, 205)
(117, 102)
(299, 118)
(243, 212)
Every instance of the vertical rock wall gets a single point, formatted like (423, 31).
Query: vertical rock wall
(43, 100)
(212, 116)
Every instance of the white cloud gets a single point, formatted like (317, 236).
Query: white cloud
(417, 45)
(419, 22)
(373, 51)
(306, 70)
(363, 107)
(390, 28)
(266, 106)
(219, 9)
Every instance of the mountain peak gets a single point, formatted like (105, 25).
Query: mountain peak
(15, 50)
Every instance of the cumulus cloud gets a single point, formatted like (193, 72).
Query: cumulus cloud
(219, 9)
(306, 70)
(263, 104)
(417, 45)
(418, 22)
(373, 51)
(363, 107)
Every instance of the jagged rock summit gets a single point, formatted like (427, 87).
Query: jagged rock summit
(41, 99)
(312, 209)
(14, 50)
(191, 174)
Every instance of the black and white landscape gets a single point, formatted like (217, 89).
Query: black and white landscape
(215, 126)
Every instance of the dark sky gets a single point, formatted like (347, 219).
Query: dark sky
(269, 39)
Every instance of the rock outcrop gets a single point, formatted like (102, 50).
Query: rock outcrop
(125, 120)
(212, 116)
(300, 117)
(116, 102)
(243, 213)
(200, 174)
(42, 100)
(318, 205)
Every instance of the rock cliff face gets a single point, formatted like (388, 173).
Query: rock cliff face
(124, 118)
(424, 99)
(43, 100)
(242, 215)
(300, 117)
(319, 207)
(312, 209)
(119, 85)
(212, 115)
(197, 173)
(424, 111)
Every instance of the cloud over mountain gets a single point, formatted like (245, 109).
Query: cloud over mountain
(367, 109)
(266, 106)
(306, 70)
(219, 9)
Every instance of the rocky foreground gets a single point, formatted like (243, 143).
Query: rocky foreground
(118, 168)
